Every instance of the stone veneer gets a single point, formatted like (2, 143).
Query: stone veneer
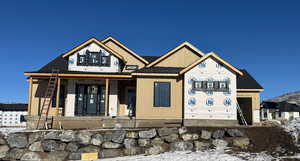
(70, 144)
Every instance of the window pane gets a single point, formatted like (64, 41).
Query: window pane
(210, 85)
(161, 94)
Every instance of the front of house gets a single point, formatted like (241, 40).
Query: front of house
(101, 83)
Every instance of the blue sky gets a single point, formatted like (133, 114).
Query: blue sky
(260, 36)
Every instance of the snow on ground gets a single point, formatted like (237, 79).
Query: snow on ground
(6, 131)
(293, 127)
(211, 155)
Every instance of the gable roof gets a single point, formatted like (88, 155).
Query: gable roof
(169, 53)
(125, 48)
(92, 40)
(211, 54)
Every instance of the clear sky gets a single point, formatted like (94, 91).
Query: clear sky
(260, 36)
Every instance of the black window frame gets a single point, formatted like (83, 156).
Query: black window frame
(216, 86)
(107, 64)
(90, 58)
(158, 103)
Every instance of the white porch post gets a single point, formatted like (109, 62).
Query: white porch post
(113, 98)
(70, 101)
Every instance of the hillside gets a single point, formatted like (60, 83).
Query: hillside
(293, 97)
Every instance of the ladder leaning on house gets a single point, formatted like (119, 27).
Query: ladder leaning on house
(43, 121)
(244, 122)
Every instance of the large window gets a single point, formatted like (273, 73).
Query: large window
(162, 92)
(211, 85)
(93, 59)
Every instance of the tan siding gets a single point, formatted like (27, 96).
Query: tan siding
(255, 98)
(38, 90)
(130, 59)
(181, 58)
(144, 102)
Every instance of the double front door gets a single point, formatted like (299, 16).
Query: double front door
(89, 100)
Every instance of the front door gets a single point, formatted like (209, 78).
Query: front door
(89, 100)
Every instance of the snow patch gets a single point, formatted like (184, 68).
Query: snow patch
(210, 155)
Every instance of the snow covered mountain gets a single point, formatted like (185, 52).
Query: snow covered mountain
(293, 97)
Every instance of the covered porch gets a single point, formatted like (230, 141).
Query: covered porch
(85, 102)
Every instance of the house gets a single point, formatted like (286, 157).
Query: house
(279, 111)
(103, 82)
(12, 114)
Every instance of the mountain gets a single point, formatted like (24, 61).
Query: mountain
(293, 97)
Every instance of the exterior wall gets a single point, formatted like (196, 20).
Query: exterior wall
(195, 102)
(181, 58)
(130, 59)
(12, 118)
(274, 115)
(114, 64)
(38, 90)
(145, 99)
(255, 96)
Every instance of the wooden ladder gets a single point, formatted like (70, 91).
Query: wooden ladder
(244, 122)
(44, 122)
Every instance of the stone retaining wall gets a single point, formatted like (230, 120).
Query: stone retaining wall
(70, 144)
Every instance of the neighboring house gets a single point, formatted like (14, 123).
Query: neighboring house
(102, 83)
(279, 111)
(13, 114)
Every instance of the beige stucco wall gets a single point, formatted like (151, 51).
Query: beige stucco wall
(181, 58)
(129, 58)
(255, 96)
(145, 96)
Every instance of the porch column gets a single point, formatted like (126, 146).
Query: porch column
(106, 96)
(57, 96)
(29, 96)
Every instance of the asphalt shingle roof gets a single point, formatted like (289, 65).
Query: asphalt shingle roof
(243, 82)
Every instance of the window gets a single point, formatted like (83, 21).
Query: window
(210, 85)
(93, 59)
(61, 97)
(131, 67)
(105, 61)
(198, 85)
(223, 85)
(162, 94)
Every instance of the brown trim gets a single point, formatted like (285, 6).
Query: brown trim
(211, 54)
(174, 51)
(88, 42)
(30, 96)
(80, 75)
(57, 96)
(125, 48)
(106, 97)
(154, 74)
